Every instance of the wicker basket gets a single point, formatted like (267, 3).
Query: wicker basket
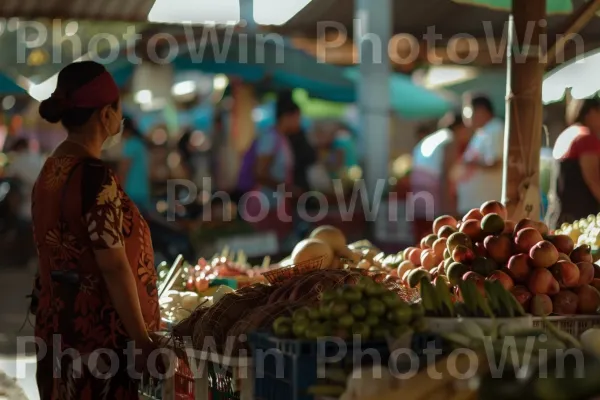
(283, 274)
(574, 325)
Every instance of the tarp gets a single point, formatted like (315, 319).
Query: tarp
(8, 86)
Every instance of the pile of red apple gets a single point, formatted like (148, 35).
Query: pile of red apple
(546, 273)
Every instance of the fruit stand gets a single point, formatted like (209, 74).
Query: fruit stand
(477, 286)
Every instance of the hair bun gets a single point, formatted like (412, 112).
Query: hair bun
(52, 109)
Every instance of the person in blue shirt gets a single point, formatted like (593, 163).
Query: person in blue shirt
(134, 167)
(343, 152)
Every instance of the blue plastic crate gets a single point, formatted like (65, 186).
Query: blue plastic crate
(287, 368)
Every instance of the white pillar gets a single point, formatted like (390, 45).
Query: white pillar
(372, 32)
(247, 14)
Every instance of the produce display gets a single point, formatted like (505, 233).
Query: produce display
(547, 273)
(494, 301)
(367, 309)
(583, 231)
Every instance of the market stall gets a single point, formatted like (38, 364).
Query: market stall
(478, 287)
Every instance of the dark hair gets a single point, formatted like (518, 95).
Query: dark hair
(482, 101)
(285, 105)
(71, 78)
(20, 144)
(582, 108)
(451, 121)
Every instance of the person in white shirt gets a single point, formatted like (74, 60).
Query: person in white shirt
(25, 165)
(480, 172)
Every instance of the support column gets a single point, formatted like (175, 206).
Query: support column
(372, 33)
(247, 14)
(523, 135)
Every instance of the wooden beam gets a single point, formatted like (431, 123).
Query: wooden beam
(580, 18)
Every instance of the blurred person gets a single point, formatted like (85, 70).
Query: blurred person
(25, 166)
(269, 164)
(304, 158)
(343, 152)
(433, 160)
(479, 174)
(134, 166)
(575, 183)
(97, 283)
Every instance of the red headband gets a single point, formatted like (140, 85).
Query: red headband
(99, 92)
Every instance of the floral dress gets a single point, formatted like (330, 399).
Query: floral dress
(78, 207)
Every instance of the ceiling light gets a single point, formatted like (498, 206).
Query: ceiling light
(220, 82)
(184, 88)
(143, 97)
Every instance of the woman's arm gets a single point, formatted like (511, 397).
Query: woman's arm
(122, 289)
(449, 205)
(590, 169)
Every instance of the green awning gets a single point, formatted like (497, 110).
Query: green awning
(552, 6)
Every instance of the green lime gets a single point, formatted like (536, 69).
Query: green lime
(314, 314)
(325, 310)
(282, 330)
(328, 295)
(352, 294)
(400, 316)
(362, 330)
(380, 332)
(282, 321)
(346, 321)
(301, 313)
(359, 311)
(392, 300)
(372, 320)
(299, 328)
(376, 307)
(338, 308)
(374, 290)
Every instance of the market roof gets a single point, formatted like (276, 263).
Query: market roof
(414, 17)
(105, 10)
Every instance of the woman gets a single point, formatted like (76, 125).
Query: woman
(575, 190)
(97, 280)
(134, 168)
(273, 168)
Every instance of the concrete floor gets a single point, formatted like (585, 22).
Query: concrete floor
(15, 285)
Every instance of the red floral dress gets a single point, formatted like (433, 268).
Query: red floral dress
(79, 207)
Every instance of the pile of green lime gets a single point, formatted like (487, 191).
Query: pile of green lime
(367, 309)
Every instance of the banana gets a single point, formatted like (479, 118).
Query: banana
(471, 329)
(495, 303)
(563, 336)
(458, 339)
(430, 300)
(443, 292)
(470, 304)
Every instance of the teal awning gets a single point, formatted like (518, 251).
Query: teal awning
(8, 86)
(410, 100)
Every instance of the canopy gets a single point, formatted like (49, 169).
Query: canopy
(581, 76)
(8, 86)
(411, 101)
(552, 6)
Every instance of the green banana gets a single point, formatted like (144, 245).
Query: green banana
(469, 302)
(563, 336)
(429, 298)
(471, 329)
(443, 292)
(457, 339)
(495, 303)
